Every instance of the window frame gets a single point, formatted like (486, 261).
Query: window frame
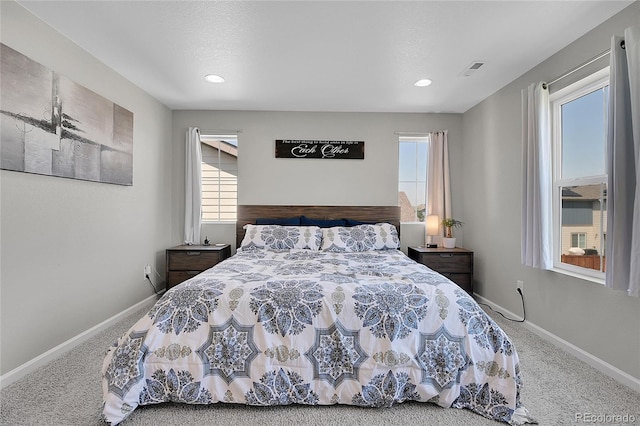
(418, 138)
(585, 86)
(218, 136)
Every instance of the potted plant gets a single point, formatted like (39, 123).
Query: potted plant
(449, 223)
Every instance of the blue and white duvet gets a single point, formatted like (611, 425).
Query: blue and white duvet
(312, 327)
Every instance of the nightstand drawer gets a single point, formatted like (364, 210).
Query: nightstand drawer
(192, 260)
(447, 262)
(184, 262)
(176, 277)
(463, 280)
(455, 264)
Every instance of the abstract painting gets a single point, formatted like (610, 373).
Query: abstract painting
(50, 125)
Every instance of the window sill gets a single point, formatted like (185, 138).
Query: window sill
(579, 275)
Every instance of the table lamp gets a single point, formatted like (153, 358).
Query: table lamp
(432, 228)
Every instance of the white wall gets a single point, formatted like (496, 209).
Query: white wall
(600, 321)
(73, 251)
(264, 179)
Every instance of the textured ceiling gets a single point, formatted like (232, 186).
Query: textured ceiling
(322, 55)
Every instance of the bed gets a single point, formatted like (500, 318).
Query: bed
(323, 309)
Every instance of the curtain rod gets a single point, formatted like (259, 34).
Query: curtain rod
(579, 67)
(412, 133)
(584, 64)
(219, 132)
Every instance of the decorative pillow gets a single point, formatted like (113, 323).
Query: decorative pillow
(353, 222)
(277, 237)
(285, 221)
(322, 223)
(380, 236)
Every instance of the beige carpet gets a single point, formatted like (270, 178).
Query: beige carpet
(558, 387)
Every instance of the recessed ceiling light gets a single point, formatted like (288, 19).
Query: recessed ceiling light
(212, 78)
(422, 83)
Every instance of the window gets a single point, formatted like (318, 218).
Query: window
(219, 177)
(579, 116)
(412, 180)
(579, 240)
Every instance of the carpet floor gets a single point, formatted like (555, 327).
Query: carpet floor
(558, 389)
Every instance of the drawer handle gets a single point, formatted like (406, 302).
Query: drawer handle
(193, 272)
(193, 253)
(446, 255)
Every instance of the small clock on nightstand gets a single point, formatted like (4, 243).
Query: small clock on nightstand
(455, 264)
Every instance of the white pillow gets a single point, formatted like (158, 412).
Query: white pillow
(277, 237)
(381, 236)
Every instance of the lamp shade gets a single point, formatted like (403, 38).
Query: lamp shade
(433, 224)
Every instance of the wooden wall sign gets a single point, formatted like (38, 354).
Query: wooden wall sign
(297, 148)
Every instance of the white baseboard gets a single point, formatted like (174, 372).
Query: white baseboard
(30, 366)
(600, 365)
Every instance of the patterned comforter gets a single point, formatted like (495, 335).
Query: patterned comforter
(284, 327)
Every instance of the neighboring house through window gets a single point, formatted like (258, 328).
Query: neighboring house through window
(579, 116)
(219, 177)
(412, 178)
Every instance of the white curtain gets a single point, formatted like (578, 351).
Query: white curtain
(623, 161)
(193, 187)
(438, 182)
(536, 238)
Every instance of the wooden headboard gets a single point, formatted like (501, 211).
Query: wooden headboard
(249, 214)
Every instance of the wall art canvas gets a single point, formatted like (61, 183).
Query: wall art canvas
(52, 126)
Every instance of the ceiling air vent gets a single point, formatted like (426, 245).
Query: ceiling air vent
(473, 67)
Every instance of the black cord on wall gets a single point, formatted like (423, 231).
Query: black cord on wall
(155, 290)
(524, 313)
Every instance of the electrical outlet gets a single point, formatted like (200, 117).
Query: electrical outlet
(519, 285)
(147, 271)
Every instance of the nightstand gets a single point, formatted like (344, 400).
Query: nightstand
(455, 264)
(184, 262)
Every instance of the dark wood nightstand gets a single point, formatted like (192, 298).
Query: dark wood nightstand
(184, 262)
(455, 264)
